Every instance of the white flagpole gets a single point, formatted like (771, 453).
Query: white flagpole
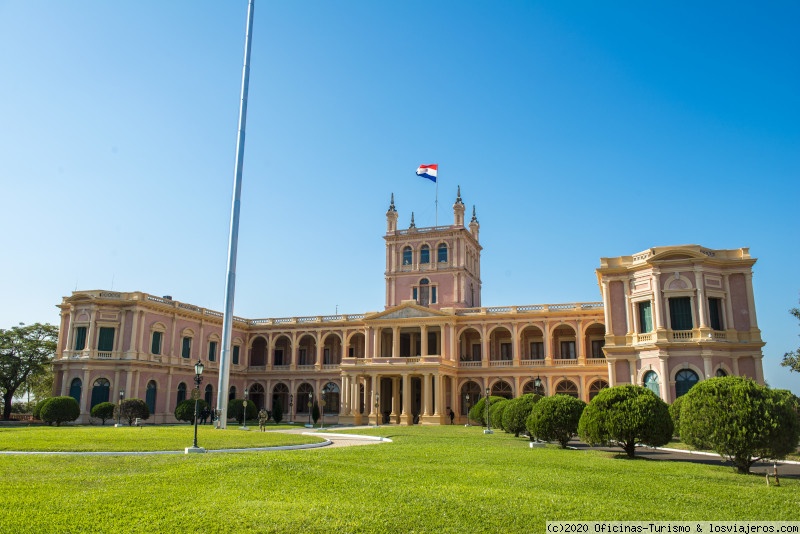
(437, 195)
(233, 242)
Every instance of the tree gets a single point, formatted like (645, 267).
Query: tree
(235, 410)
(516, 413)
(740, 420)
(277, 411)
(478, 411)
(675, 414)
(25, 353)
(184, 411)
(60, 410)
(555, 418)
(496, 410)
(792, 359)
(103, 411)
(626, 415)
(315, 413)
(131, 409)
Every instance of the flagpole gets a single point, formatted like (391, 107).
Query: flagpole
(437, 196)
(233, 241)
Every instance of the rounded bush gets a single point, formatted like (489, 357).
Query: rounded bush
(184, 411)
(675, 414)
(555, 418)
(235, 409)
(478, 411)
(103, 411)
(626, 415)
(496, 410)
(131, 409)
(277, 411)
(516, 413)
(37, 409)
(60, 410)
(740, 420)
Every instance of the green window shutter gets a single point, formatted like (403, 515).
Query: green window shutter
(212, 351)
(645, 317)
(680, 313)
(186, 349)
(156, 345)
(236, 355)
(80, 338)
(433, 295)
(105, 341)
(715, 313)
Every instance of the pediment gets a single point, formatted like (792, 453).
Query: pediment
(405, 311)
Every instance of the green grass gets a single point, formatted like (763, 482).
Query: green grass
(145, 438)
(676, 443)
(430, 479)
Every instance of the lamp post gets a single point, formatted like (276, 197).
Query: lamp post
(537, 385)
(468, 409)
(291, 404)
(488, 423)
(198, 379)
(377, 409)
(119, 408)
(322, 411)
(244, 412)
(310, 396)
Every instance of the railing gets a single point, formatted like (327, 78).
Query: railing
(596, 361)
(645, 338)
(469, 364)
(501, 363)
(104, 355)
(280, 367)
(532, 363)
(330, 366)
(423, 230)
(306, 367)
(681, 336)
(257, 368)
(719, 336)
(564, 362)
(575, 306)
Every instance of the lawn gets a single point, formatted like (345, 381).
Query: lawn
(429, 479)
(145, 438)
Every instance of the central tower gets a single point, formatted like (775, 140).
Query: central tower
(436, 267)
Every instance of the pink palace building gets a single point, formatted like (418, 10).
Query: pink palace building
(669, 317)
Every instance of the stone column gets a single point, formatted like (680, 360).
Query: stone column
(395, 398)
(405, 417)
(657, 312)
(395, 342)
(423, 340)
(701, 301)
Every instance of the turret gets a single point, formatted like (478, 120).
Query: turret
(391, 218)
(474, 226)
(458, 210)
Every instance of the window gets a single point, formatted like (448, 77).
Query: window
(651, 382)
(567, 350)
(212, 351)
(720, 373)
(537, 350)
(505, 351)
(75, 390)
(105, 340)
(209, 394)
(80, 338)
(680, 313)
(407, 256)
(567, 387)
(181, 393)
(424, 294)
(155, 346)
(597, 348)
(301, 355)
(236, 355)
(442, 253)
(684, 380)
(150, 396)
(595, 388)
(100, 390)
(425, 254)
(232, 393)
(279, 357)
(715, 314)
(186, 347)
(645, 317)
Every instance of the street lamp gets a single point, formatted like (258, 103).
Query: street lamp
(537, 385)
(291, 404)
(310, 396)
(377, 409)
(244, 412)
(488, 423)
(468, 410)
(322, 406)
(198, 379)
(119, 407)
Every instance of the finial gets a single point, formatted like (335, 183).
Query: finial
(391, 205)
(458, 196)
(412, 221)
(474, 218)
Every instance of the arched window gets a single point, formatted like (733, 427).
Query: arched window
(302, 399)
(181, 393)
(502, 389)
(567, 387)
(100, 391)
(256, 395)
(720, 373)
(75, 390)
(425, 254)
(425, 293)
(651, 382)
(281, 393)
(442, 253)
(331, 396)
(595, 388)
(150, 396)
(470, 394)
(684, 380)
(209, 394)
(258, 353)
(407, 256)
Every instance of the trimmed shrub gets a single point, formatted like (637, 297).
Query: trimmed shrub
(478, 411)
(675, 414)
(131, 409)
(235, 409)
(516, 413)
(626, 415)
(740, 420)
(103, 411)
(496, 410)
(184, 411)
(315, 412)
(60, 410)
(37, 409)
(277, 411)
(555, 418)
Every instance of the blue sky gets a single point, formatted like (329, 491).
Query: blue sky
(577, 129)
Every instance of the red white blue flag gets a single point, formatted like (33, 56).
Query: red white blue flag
(428, 171)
